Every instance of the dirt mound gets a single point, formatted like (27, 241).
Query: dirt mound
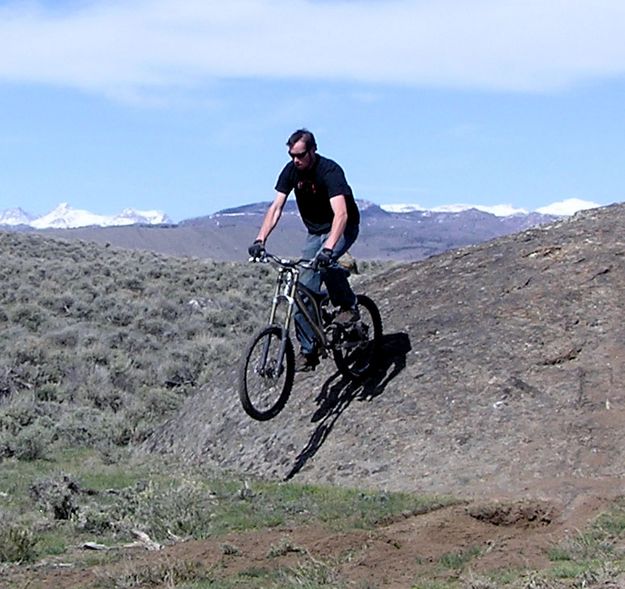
(500, 377)
(527, 514)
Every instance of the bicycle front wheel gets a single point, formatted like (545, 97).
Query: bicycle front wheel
(266, 373)
(358, 345)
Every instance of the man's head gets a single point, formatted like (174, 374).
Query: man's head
(302, 149)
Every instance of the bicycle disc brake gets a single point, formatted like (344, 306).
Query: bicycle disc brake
(270, 370)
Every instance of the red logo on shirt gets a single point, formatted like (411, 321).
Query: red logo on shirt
(307, 186)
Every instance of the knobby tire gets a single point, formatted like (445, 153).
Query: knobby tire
(359, 363)
(264, 390)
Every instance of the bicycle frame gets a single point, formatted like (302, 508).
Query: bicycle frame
(268, 366)
(289, 290)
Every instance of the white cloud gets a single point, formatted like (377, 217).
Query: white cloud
(118, 47)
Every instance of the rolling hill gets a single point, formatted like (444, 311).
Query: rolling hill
(499, 384)
(500, 376)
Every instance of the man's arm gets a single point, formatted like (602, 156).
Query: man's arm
(339, 207)
(272, 216)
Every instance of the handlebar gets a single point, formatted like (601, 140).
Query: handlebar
(285, 262)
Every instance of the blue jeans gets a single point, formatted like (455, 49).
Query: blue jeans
(335, 279)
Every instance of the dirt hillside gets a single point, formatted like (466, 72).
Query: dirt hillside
(502, 376)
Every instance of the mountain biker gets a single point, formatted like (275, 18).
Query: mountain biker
(328, 209)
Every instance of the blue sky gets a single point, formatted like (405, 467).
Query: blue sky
(185, 105)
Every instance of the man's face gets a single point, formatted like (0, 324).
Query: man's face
(303, 158)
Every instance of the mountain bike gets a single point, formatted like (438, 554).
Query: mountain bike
(267, 367)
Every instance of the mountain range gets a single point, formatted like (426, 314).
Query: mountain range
(65, 217)
(388, 232)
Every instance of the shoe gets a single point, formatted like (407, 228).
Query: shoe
(347, 316)
(306, 362)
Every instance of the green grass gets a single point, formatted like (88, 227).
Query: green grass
(53, 542)
(459, 559)
(436, 584)
(612, 522)
(272, 504)
(168, 573)
(306, 575)
(160, 497)
(591, 554)
(570, 570)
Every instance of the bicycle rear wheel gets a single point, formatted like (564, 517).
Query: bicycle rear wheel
(266, 373)
(358, 346)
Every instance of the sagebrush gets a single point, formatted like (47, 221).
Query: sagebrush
(101, 344)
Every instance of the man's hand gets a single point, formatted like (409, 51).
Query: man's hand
(324, 258)
(257, 249)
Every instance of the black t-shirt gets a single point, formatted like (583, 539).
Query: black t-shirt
(313, 190)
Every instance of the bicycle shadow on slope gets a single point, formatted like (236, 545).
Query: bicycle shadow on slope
(338, 392)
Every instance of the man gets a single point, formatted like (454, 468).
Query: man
(327, 207)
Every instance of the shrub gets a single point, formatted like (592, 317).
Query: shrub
(147, 410)
(56, 494)
(87, 427)
(133, 283)
(106, 342)
(153, 326)
(158, 402)
(12, 380)
(18, 416)
(95, 521)
(7, 445)
(167, 573)
(95, 353)
(32, 443)
(48, 393)
(104, 397)
(164, 308)
(17, 542)
(66, 337)
(183, 366)
(119, 314)
(57, 303)
(184, 508)
(29, 315)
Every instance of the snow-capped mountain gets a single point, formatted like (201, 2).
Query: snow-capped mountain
(567, 207)
(407, 233)
(563, 208)
(15, 216)
(66, 217)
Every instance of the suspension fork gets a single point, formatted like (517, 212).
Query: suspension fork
(286, 288)
(286, 285)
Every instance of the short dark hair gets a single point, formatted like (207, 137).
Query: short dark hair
(306, 135)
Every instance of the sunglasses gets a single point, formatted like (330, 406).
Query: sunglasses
(299, 156)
